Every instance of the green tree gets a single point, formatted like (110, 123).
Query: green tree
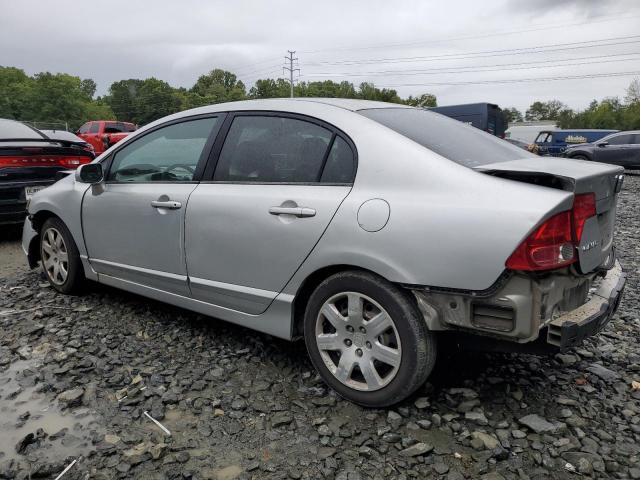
(512, 114)
(219, 86)
(633, 92)
(16, 91)
(155, 99)
(544, 110)
(122, 98)
(270, 88)
(88, 87)
(424, 101)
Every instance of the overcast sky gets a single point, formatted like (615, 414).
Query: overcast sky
(413, 46)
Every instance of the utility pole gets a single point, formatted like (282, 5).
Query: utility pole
(290, 68)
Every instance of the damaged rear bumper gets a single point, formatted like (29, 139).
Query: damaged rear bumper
(573, 327)
(554, 311)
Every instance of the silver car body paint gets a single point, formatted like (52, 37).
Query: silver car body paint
(448, 225)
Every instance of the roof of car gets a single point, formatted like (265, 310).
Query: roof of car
(352, 104)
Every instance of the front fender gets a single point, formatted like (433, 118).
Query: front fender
(64, 200)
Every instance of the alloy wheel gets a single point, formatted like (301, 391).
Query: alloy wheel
(54, 256)
(358, 341)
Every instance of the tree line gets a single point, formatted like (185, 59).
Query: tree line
(609, 113)
(48, 97)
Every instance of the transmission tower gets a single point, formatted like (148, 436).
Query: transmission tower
(290, 59)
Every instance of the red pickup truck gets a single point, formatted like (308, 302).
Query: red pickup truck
(101, 134)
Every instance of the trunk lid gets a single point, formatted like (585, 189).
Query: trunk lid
(578, 176)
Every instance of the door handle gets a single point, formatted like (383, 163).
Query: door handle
(169, 204)
(296, 211)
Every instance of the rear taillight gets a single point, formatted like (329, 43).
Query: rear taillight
(553, 244)
(66, 161)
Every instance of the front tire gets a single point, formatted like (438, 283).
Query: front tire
(60, 257)
(367, 339)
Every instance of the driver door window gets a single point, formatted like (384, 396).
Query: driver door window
(169, 154)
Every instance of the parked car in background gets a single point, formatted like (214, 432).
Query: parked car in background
(554, 142)
(485, 116)
(622, 148)
(70, 138)
(29, 161)
(288, 216)
(102, 134)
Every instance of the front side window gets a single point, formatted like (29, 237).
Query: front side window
(271, 149)
(620, 140)
(84, 128)
(169, 154)
(95, 127)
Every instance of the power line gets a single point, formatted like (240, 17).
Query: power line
(481, 68)
(490, 53)
(537, 28)
(518, 80)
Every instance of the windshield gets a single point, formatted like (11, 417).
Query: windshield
(450, 138)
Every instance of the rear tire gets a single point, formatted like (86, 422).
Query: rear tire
(367, 339)
(60, 257)
(580, 157)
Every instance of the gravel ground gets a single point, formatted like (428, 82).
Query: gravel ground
(78, 373)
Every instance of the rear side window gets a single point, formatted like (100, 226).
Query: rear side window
(168, 154)
(84, 128)
(445, 136)
(113, 127)
(95, 127)
(272, 149)
(340, 166)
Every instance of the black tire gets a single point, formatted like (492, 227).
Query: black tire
(418, 352)
(75, 280)
(580, 157)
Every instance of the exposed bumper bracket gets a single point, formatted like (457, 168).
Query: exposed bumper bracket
(573, 327)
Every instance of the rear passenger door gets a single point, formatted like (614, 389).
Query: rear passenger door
(278, 181)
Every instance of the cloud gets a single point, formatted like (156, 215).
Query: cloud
(178, 41)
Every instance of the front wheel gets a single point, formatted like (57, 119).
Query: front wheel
(367, 339)
(60, 258)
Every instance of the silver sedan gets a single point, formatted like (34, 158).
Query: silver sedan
(371, 230)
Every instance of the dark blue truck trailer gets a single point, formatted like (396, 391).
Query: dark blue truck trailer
(485, 116)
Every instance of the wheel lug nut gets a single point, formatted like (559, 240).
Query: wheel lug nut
(368, 344)
(363, 330)
(359, 352)
(347, 342)
(349, 328)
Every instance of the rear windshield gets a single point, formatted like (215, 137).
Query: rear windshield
(450, 138)
(10, 129)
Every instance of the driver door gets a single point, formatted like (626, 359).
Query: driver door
(133, 223)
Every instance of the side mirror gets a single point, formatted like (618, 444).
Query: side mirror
(90, 173)
(603, 144)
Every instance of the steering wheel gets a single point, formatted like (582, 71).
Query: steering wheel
(175, 166)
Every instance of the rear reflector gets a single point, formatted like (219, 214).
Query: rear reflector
(584, 207)
(553, 244)
(45, 161)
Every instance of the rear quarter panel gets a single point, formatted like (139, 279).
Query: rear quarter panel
(449, 226)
